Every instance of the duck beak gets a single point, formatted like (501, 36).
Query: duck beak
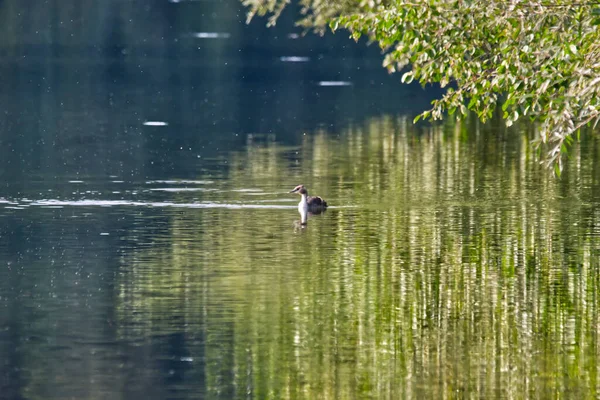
(292, 191)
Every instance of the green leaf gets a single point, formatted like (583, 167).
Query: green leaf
(472, 103)
(563, 148)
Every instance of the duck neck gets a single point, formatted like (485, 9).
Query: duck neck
(304, 198)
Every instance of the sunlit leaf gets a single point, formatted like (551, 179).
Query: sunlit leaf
(573, 48)
(407, 77)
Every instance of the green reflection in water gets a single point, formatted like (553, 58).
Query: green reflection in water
(454, 265)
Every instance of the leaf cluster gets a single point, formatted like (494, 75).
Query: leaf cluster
(540, 59)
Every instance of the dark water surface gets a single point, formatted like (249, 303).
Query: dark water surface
(149, 248)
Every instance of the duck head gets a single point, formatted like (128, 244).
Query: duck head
(300, 189)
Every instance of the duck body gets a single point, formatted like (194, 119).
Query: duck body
(312, 204)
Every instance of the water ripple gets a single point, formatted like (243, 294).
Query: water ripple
(118, 203)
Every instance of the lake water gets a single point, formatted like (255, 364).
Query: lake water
(149, 248)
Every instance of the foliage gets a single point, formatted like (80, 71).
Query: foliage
(540, 59)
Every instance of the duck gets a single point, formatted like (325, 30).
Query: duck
(312, 204)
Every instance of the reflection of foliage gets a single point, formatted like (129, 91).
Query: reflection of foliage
(540, 58)
(455, 272)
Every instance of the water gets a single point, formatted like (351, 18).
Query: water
(149, 247)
